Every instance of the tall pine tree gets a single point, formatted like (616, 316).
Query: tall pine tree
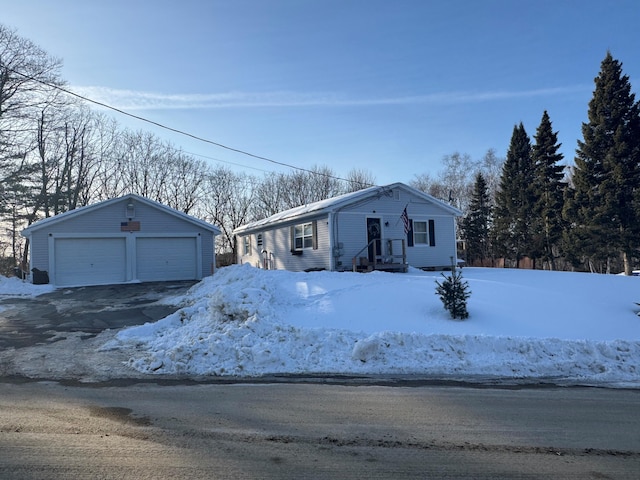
(515, 200)
(549, 191)
(475, 226)
(603, 205)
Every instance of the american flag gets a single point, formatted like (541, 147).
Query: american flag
(405, 220)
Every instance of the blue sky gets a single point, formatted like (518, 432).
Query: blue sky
(385, 86)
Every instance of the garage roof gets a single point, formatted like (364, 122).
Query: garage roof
(90, 208)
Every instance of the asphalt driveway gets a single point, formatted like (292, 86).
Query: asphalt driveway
(26, 322)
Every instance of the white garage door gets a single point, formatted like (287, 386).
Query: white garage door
(162, 259)
(89, 261)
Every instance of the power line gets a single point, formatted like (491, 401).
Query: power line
(171, 129)
(225, 161)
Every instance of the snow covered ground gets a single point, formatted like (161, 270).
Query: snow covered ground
(243, 321)
(14, 287)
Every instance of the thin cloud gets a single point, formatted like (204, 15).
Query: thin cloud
(140, 100)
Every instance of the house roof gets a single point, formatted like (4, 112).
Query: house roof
(46, 222)
(335, 203)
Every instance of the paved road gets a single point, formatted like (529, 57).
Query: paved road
(310, 431)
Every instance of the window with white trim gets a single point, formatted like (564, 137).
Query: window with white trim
(303, 236)
(420, 233)
(246, 245)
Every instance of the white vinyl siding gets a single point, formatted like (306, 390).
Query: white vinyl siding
(350, 224)
(279, 248)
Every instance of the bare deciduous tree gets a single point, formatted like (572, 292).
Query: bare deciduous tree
(64, 159)
(322, 183)
(143, 162)
(230, 197)
(359, 179)
(269, 195)
(491, 168)
(107, 179)
(454, 182)
(457, 177)
(281, 191)
(27, 74)
(427, 184)
(26, 71)
(184, 187)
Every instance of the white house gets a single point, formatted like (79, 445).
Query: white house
(121, 240)
(363, 230)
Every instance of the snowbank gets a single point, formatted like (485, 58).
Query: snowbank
(523, 324)
(13, 286)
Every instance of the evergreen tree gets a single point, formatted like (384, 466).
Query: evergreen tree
(515, 200)
(475, 226)
(454, 293)
(603, 207)
(549, 191)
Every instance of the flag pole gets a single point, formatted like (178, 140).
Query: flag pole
(403, 210)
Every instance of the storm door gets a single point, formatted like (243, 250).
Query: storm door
(374, 232)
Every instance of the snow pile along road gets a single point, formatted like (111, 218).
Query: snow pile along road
(523, 324)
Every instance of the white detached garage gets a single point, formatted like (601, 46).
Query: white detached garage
(121, 240)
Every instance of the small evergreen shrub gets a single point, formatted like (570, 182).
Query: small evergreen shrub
(454, 292)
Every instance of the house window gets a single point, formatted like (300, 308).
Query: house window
(247, 245)
(303, 236)
(259, 241)
(424, 233)
(420, 234)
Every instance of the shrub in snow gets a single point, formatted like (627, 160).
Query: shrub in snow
(454, 293)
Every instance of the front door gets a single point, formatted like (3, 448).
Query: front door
(374, 232)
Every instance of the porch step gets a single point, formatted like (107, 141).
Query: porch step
(387, 267)
(363, 264)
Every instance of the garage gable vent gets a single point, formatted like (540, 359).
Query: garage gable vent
(131, 209)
